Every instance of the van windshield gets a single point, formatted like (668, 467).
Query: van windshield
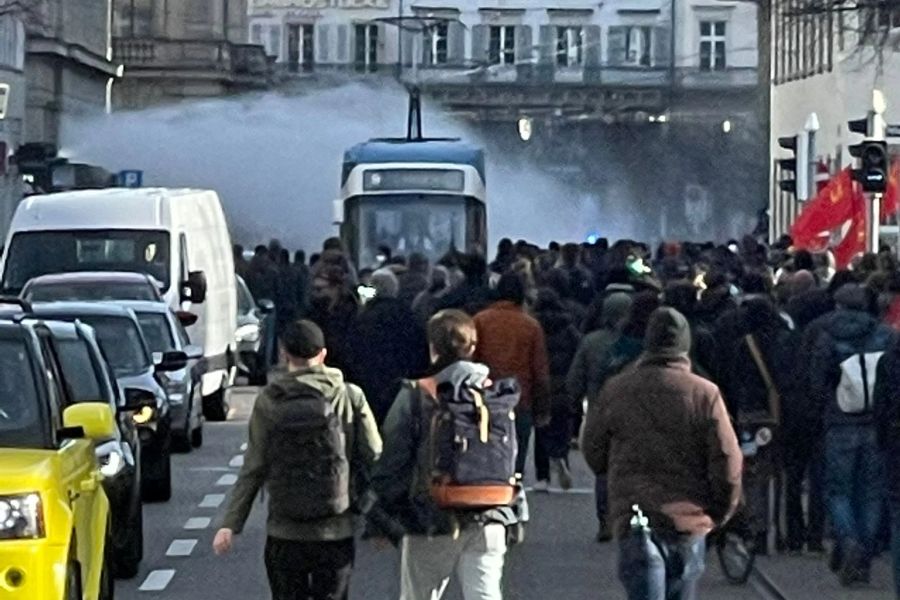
(35, 253)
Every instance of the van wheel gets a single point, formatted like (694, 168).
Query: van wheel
(214, 406)
(197, 436)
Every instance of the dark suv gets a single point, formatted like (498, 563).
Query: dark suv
(122, 342)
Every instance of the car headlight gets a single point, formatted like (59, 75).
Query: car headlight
(111, 459)
(21, 517)
(143, 416)
(247, 333)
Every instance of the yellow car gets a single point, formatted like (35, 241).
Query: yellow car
(54, 514)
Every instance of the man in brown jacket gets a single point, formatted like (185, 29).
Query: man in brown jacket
(663, 437)
(511, 343)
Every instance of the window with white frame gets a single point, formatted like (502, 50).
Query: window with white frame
(256, 34)
(301, 47)
(639, 46)
(436, 38)
(502, 45)
(366, 38)
(712, 45)
(569, 46)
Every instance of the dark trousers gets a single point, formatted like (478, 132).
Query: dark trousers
(309, 570)
(804, 458)
(552, 442)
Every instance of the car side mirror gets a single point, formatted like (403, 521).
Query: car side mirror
(194, 352)
(194, 289)
(266, 306)
(171, 361)
(186, 318)
(137, 399)
(95, 420)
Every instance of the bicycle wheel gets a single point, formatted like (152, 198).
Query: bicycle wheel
(736, 557)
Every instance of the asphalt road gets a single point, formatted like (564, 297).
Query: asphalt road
(559, 559)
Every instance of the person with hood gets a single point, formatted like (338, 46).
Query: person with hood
(435, 543)
(664, 438)
(842, 377)
(310, 545)
(562, 337)
(388, 345)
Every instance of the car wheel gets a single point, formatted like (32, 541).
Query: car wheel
(127, 560)
(214, 406)
(181, 440)
(197, 436)
(160, 489)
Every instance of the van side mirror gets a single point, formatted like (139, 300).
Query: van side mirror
(138, 398)
(186, 318)
(266, 306)
(171, 361)
(194, 289)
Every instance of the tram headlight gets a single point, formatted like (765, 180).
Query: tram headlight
(525, 128)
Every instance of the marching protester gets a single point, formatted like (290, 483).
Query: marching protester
(313, 443)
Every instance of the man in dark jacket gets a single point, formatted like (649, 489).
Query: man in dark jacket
(841, 381)
(472, 294)
(887, 418)
(664, 437)
(334, 307)
(308, 558)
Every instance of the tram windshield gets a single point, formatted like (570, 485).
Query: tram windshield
(407, 223)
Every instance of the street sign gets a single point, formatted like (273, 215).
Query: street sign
(131, 179)
(892, 131)
(4, 99)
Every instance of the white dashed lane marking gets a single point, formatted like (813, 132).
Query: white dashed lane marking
(157, 580)
(237, 461)
(181, 547)
(212, 501)
(197, 523)
(244, 447)
(229, 479)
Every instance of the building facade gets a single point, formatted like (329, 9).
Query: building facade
(827, 63)
(173, 50)
(649, 108)
(12, 110)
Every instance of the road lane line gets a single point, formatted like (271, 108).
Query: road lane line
(231, 412)
(237, 461)
(157, 580)
(228, 479)
(197, 523)
(244, 447)
(181, 547)
(212, 501)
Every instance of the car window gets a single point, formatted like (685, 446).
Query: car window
(182, 334)
(245, 301)
(156, 331)
(122, 343)
(21, 416)
(91, 291)
(79, 371)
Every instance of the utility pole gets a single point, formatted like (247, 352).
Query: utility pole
(811, 127)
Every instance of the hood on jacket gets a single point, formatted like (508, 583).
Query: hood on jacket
(550, 312)
(462, 373)
(322, 380)
(615, 308)
(852, 296)
(668, 334)
(850, 325)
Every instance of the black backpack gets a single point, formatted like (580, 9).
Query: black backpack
(309, 473)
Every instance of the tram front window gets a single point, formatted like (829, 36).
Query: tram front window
(430, 225)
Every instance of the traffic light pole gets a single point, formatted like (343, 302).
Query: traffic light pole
(874, 220)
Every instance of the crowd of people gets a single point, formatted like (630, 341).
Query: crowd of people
(768, 356)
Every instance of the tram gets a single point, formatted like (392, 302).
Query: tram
(412, 195)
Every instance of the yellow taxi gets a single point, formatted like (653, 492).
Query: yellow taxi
(54, 514)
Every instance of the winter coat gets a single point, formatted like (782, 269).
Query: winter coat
(887, 416)
(842, 329)
(466, 296)
(336, 323)
(512, 344)
(587, 373)
(664, 438)
(388, 345)
(562, 339)
(412, 283)
(363, 449)
(892, 317)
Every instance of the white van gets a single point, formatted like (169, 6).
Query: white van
(178, 236)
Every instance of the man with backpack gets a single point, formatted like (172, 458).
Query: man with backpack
(843, 376)
(313, 442)
(445, 485)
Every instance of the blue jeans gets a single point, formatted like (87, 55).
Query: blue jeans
(642, 568)
(855, 482)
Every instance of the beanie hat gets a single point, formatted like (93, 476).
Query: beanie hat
(668, 333)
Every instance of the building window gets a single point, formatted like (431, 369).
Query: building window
(888, 15)
(437, 44)
(502, 45)
(300, 47)
(638, 46)
(366, 47)
(569, 46)
(712, 45)
(256, 36)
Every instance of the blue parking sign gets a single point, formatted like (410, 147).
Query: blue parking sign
(131, 178)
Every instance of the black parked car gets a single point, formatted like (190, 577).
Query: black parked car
(90, 379)
(123, 343)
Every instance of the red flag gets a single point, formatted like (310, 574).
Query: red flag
(891, 201)
(831, 208)
(854, 241)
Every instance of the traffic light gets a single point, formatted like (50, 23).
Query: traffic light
(874, 164)
(798, 165)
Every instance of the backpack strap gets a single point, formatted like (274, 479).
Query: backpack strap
(771, 388)
(423, 387)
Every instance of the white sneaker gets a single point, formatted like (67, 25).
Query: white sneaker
(563, 474)
(542, 486)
